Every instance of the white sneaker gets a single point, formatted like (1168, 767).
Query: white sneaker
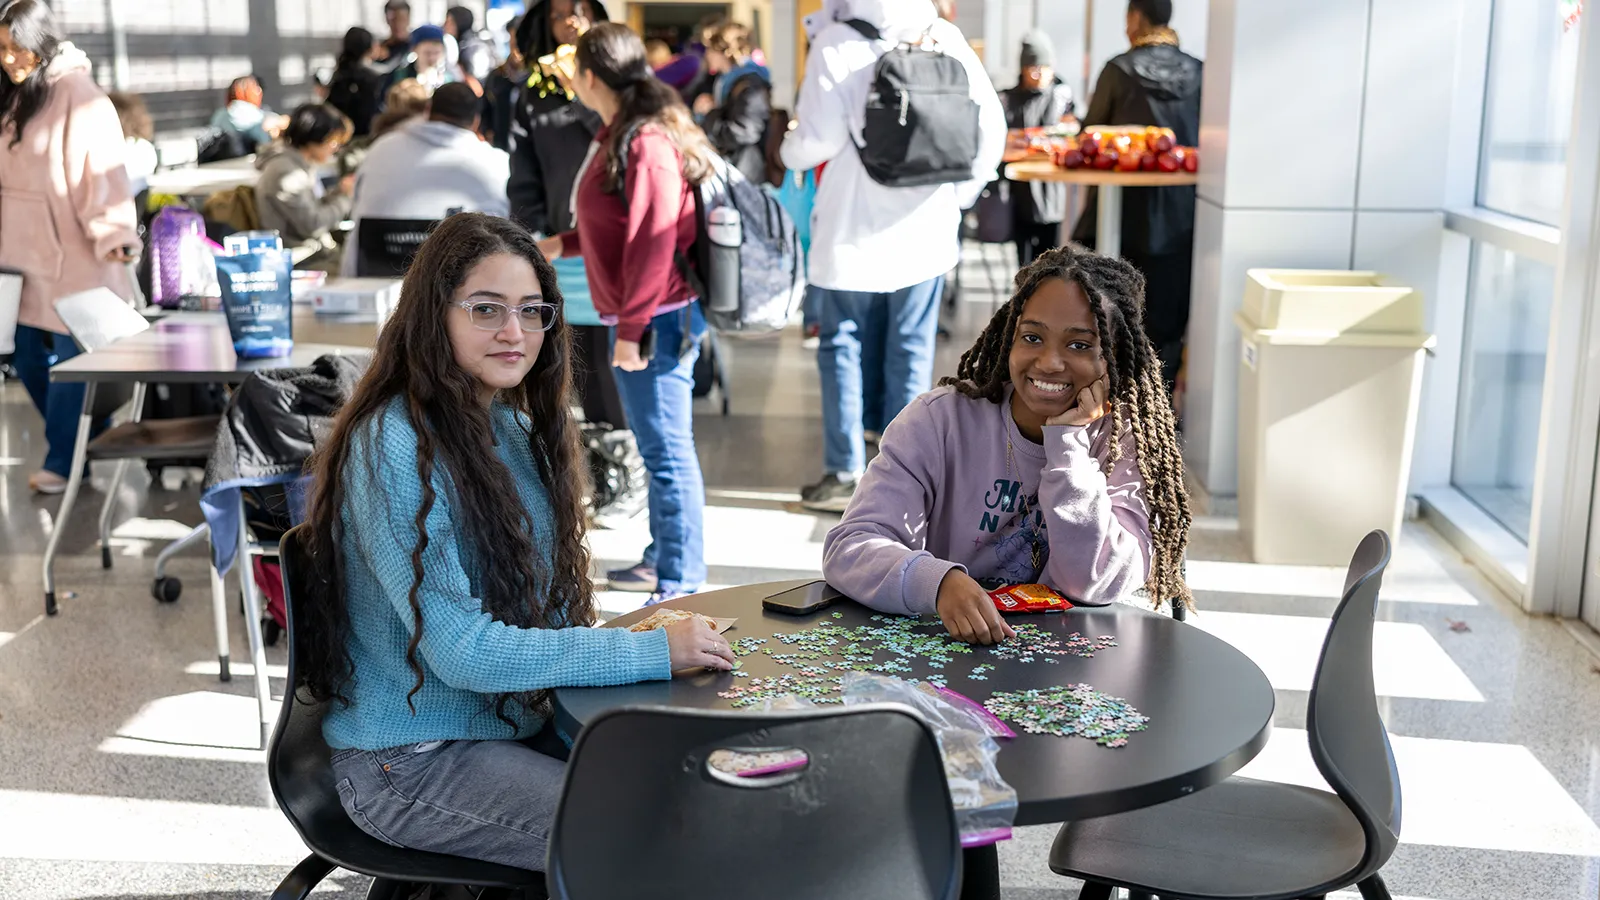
(47, 483)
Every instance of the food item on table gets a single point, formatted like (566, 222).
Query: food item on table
(1028, 598)
(1191, 161)
(661, 618)
(1124, 148)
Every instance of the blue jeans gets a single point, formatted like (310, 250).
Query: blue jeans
(59, 403)
(488, 800)
(876, 356)
(658, 402)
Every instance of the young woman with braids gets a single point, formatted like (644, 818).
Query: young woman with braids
(1051, 456)
(447, 533)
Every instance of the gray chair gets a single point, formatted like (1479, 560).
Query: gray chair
(868, 814)
(1263, 840)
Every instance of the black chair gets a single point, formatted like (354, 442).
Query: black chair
(1264, 840)
(385, 247)
(643, 815)
(302, 781)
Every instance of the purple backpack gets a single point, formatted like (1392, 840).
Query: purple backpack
(175, 237)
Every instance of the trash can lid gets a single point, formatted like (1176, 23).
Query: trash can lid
(1312, 306)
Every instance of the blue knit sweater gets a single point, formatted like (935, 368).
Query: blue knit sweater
(467, 657)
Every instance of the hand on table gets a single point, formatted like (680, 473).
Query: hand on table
(626, 357)
(1092, 405)
(968, 613)
(694, 646)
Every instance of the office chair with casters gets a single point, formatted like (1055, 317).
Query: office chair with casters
(1264, 840)
(301, 775)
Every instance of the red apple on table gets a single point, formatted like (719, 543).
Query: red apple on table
(1107, 160)
(1130, 162)
(1163, 143)
(1147, 162)
(1166, 162)
(1071, 159)
(1191, 161)
(1089, 144)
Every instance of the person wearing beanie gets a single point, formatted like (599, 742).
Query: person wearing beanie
(430, 63)
(1040, 98)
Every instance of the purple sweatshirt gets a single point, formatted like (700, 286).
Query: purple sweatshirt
(956, 485)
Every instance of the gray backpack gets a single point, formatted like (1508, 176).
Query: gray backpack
(745, 264)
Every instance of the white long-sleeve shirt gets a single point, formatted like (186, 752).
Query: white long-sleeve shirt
(865, 236)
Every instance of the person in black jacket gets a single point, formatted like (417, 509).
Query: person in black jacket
(499, 94)
(1154, 83)
(357, 88)
(739, 107)
(1039, 99)
(549, 143)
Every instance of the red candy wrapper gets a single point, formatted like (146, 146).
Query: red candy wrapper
(1028, 598)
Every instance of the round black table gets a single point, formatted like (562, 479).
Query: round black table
(1210, 707)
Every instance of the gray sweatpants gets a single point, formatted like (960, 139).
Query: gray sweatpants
(488, 800)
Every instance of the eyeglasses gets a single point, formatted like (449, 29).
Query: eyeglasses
(492, 316)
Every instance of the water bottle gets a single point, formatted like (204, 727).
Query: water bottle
(725, 230)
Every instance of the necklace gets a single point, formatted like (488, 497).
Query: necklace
(1036, 547)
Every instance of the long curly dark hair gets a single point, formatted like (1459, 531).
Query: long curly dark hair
(455, 447)
(1138, 396)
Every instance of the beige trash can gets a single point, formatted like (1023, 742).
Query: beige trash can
(1330, 377)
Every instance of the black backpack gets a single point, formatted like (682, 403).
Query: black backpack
(921, 121)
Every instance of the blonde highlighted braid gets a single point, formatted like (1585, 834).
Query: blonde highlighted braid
(1139, 402)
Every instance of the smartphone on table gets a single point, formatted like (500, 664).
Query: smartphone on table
(802, 600)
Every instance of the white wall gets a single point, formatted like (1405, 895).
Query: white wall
(1333, 135)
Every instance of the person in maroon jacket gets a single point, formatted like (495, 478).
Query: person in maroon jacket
(634, 205)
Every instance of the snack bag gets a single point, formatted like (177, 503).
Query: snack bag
(1028, 598)
(661, 618)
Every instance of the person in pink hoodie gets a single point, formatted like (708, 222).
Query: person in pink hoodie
(67, 220)
(1052, 457)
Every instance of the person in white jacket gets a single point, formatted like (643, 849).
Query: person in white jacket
(878, 254)
(430, 169)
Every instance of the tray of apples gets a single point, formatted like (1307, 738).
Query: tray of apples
(1128, 149)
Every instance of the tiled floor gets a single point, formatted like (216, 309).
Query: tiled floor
(124, 771)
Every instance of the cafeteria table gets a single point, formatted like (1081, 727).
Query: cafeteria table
(1210, 708)
(181, 348)
(1108, 218)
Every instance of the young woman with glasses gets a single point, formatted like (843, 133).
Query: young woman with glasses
(446, 526)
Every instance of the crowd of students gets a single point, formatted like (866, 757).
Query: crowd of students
(447, 517)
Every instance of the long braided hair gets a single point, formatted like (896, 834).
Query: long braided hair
(1138, 396)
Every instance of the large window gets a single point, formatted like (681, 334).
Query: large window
(1502, 383)
(1533, 59)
